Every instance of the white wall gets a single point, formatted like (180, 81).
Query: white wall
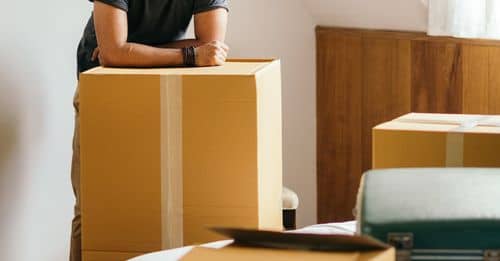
(37, 80)
(374, 14)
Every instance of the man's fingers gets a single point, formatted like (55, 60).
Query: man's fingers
(220, 45)
(213, 53)
(222, 52)
(225, 47)
(220, 59)
(215, 50)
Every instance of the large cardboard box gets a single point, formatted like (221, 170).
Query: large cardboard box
(166, 153)
(437, 140)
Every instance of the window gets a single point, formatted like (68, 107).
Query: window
(464, 18)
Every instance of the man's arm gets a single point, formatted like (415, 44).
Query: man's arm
(209, 26)
(182, 43)
(114, 50)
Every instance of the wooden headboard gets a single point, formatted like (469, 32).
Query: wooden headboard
(365, 77)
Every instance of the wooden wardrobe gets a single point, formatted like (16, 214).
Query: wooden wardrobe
(366, 77)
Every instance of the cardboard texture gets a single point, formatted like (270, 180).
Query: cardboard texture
(437, 140)
(166, 153)
(251, 254)
(109, 256)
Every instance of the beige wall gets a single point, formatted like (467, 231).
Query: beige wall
(378, 14)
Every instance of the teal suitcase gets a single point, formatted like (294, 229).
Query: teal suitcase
(433, 214)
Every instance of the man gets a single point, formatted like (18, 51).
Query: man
(145, 33)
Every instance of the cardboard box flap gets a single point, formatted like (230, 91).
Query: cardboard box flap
(251, 254)
(232, 67)
(444, 123)
(272, 239)
(452, 119)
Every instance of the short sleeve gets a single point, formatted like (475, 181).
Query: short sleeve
(122, 4)
(207, 5)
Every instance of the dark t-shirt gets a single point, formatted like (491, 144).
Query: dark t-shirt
(150, 22)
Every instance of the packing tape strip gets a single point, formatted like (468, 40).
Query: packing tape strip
(455, 139)
(468, 123)
(454, 149)
(171, 163)
(475, 122)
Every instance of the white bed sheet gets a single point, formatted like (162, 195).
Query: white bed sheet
(345, 228)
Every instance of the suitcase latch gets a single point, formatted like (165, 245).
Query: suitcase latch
(491, 255)
(403, 242)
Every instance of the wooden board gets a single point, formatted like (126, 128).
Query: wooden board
(339, 121)
(436, 77)
(476, 80)
(366, 77)
(494, 81)
(386, 89)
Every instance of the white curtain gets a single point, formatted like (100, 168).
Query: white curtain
(464, 18)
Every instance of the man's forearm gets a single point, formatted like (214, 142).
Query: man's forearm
(139, 55)
(182, 43)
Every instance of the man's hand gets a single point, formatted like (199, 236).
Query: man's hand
(211, 54)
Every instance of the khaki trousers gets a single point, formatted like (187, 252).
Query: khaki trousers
(76, 229)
